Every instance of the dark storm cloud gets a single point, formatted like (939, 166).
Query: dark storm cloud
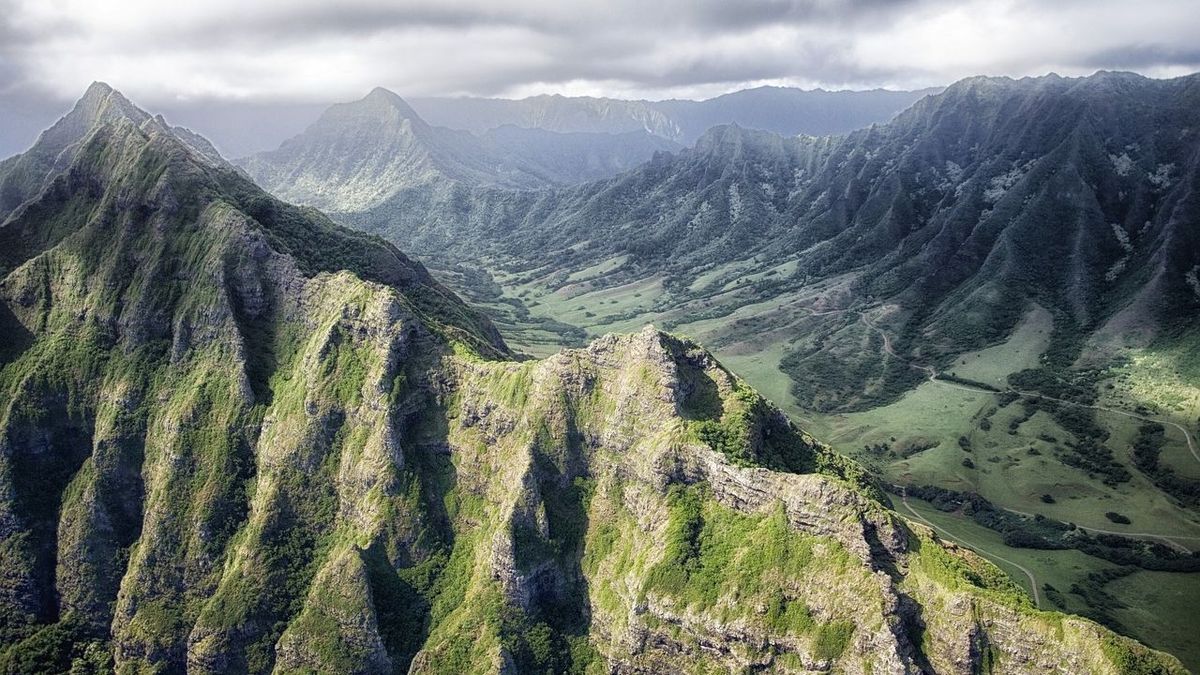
(630, 25)
(18, 39)
(308, 50)
(575, 19)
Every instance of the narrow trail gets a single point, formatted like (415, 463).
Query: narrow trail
(1191, 443)
(1037, 600)
(930, 371)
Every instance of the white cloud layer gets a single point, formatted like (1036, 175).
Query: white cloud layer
(303, 50)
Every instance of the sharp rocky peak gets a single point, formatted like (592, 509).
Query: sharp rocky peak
(386, 101)
(98, 105)
(732, 140)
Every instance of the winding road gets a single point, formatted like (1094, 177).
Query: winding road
(1191, 443)
(1168, 539)
(1037, 599)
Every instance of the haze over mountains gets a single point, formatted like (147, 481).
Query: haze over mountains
(357, 155)
(236, 437)
(360, 154)
(783, 110)
(241, 128)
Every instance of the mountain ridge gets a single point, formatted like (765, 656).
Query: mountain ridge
(242, 128)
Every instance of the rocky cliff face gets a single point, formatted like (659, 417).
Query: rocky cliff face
(237, 438)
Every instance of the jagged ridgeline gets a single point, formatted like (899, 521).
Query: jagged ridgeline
(235, 437)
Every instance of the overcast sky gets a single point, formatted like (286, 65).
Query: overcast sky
(162, 51)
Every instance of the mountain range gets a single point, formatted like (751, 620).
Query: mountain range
(358, 155)
(237, 437)
(241, 128)
(1076, 194)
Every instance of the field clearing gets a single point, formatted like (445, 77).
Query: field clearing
(1004, 470)
(702, 327)
(597, 310)
(1175, 452)
(1022, 350)
(930, 411)
(708, 278)
(1161, 608)
(1012, 462)
(1165, 383)
(761, 370)
(599, 269)
(781, 270)
(1165, 378)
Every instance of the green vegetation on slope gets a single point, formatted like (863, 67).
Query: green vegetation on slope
(255, 462)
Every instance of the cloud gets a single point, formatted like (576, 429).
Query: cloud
(306, 50)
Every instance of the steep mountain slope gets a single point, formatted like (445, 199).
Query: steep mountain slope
(360, 154)
(783, 110)
(22, 176)
(236, 437)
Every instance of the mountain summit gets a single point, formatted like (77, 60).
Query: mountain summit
(100, 103)
(391, 100)
(235, 437)
(22, 176)
(359, 153)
